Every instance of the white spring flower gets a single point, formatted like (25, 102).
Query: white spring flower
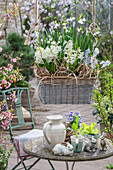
(96, 52)
(81, 21)
(110, 110)
(81, 55)
(68, 46)
(105, 63)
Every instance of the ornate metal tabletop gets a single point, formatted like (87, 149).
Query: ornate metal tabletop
(37, 148)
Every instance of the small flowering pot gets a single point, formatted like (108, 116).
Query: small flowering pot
(77, 143)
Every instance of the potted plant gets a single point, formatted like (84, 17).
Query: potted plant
(66, 65)
(90, 130)
(74, 126)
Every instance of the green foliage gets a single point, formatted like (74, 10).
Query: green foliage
(86, 129)
(104, 103)
(105, 45)
(27, 26)
(5, 153)
(14, 48)
(75, 126)
(110, 166)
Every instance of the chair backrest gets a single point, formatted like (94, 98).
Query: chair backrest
(18, 107)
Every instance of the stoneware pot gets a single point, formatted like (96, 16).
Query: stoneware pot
(77, 143)
(54, 130)
(97, 137)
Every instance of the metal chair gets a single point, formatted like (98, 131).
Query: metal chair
(18, 141)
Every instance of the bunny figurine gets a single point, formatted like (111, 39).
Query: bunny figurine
(91, 145)
(64, 148)
(103, 142)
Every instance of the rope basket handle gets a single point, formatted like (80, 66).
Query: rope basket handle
(27, 41)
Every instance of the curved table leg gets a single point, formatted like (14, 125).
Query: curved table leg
(72, 168)
(67, 166)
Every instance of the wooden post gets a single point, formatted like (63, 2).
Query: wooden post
(93, 16)
(36, 11)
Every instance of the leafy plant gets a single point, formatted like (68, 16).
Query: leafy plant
(86, 129)
(15, 47)
(9, 77)
(110, 166)
(104, 104)
(74, 123)
(5, 149)
(5, 153)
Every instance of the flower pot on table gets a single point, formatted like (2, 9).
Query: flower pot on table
(97, 137)
(77, 143)
(65, 90)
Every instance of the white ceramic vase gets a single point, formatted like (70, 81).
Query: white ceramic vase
(54, 130)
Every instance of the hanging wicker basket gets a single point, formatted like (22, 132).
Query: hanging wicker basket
(65, 89)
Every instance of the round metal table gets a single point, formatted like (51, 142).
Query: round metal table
(37, 147)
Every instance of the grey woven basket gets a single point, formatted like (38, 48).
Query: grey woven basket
(66, 91)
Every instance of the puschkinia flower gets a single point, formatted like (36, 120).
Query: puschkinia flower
(105, 63)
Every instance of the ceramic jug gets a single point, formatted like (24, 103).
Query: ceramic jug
(54, 130)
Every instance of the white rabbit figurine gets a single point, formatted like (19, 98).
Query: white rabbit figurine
(64, 148)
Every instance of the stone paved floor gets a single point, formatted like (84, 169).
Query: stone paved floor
(40, 114)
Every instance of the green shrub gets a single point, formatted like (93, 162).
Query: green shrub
(105, 45)
(14, 48)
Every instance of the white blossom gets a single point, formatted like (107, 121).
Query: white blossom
(105, 63)
(81, 21)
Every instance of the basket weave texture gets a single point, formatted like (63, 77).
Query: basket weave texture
(65, 90)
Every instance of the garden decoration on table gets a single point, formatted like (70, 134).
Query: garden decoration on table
(103, 104)
(66, 57)
(64, 148)
(5, 149)
(74, 126)
(71, 119)
(89, 131)
(54, 131)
